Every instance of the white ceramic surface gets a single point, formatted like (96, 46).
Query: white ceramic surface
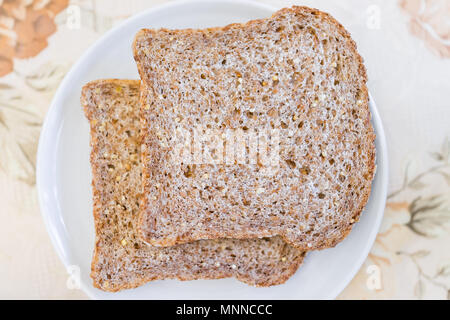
(64, 174)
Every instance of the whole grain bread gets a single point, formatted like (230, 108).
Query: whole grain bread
(121, 260)
(297, 73)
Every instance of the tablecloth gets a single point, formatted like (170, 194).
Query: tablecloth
(406, 48)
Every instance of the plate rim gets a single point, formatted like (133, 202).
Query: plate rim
(51, 123)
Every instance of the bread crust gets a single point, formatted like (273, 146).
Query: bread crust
(111, 106)
(149, 230)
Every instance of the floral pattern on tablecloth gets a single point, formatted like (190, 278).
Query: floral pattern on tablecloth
(415, 222)
(430, 22)
(40, 39)
(25, 26)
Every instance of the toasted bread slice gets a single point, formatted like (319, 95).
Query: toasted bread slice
(121, 260)
(296, 77)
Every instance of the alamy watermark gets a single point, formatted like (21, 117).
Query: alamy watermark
(74, 280)
(373, 281)
(202, 145)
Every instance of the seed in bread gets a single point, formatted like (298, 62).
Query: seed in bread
(121, 260)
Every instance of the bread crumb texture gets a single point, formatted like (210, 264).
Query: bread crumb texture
(121, 260)
(299, 72)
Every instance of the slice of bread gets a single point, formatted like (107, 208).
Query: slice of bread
(121, 260)
(296, 76)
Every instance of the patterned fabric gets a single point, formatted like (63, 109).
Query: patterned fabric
(406, 48)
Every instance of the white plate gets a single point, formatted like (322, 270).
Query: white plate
(64, 173)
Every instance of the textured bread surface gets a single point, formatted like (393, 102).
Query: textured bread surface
(298, 72)
(121, 260)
